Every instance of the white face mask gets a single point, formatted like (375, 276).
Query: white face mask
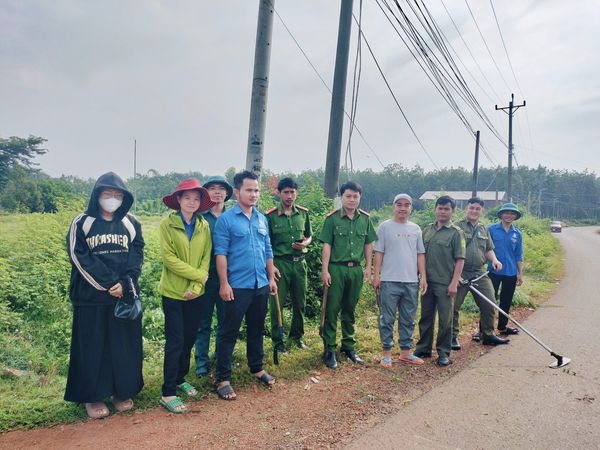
(110, 205)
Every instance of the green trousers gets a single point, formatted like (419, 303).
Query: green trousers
(486, 311)
(436, 299)
(346, 284)
(292, 282)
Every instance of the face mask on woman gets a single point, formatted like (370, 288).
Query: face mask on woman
(111, 204)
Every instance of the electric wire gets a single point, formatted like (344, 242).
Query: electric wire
(371, 149)
(470, 52)
(486, 45)
(511, 67)
(449, 45)
(355, 90)
(397, 102)
(438, 74)
(442, 42)
(440, 78)
(505, 50)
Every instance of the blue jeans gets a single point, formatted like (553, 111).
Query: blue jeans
(209, 300)
(402, 297)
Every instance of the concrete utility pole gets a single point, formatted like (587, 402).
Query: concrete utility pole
(475, 165)
(134, 174)
(260, 85)
(511, 110)
(336, 117)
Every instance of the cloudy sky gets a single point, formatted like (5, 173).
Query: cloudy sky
(176, 75)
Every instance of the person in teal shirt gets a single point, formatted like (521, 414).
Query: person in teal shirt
(219, 191)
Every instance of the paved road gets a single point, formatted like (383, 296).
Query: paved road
(509, 398)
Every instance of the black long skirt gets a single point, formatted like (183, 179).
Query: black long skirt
(106, 356)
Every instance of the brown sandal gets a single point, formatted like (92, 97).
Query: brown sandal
(97, 410)
(122, 405)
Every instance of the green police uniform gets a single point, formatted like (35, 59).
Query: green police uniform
(284, 230)
(478, 244)
(443, 247)
(347, 238)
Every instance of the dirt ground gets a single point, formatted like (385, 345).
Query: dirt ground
(324, 412)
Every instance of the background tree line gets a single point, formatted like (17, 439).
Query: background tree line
(545, 192)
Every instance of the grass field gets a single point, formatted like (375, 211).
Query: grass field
(35, 321)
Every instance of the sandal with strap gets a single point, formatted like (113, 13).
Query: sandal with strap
(508, 330)
(411, 359)
(122, 405)
(266, 379)
(175, 405)
(386, 362)
(97, 410)
(188, 389)
(224, 392)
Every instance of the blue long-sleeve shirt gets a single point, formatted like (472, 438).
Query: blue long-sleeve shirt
(508, 246)
(247, 246)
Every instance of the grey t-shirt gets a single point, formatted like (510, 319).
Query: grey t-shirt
(400, 243)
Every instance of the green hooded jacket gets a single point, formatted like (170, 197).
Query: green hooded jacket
(185, 262)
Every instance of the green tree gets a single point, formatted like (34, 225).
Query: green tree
(18, 152)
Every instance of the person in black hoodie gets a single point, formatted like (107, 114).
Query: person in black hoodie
(106, 248)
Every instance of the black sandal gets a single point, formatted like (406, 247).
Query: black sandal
(224, 392)
(509, 331)
(266, 379)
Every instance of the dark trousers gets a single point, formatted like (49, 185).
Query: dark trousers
(106, 356)
(436, 300)
(251, 304)
(181, 327)
(509, 284)
(209, 301)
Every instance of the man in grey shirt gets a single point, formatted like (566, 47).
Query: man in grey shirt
(399, 267)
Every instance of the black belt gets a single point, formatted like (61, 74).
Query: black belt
(292, 257)
(346, 263)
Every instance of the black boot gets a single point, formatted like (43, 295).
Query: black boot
(494, 340)
(455, 344)
(352, 356)
(329, 359)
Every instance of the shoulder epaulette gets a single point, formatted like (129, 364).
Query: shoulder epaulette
(269, 211)
(331, 213)
(456, 227)
(364, 212)
(302, 208)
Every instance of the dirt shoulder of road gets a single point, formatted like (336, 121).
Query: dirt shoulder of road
(324, 410)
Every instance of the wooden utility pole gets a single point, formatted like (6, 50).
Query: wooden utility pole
(511, 110)
(260, 85)
(475, 166)
(336, 118)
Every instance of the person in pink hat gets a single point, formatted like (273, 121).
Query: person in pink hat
(185, 246)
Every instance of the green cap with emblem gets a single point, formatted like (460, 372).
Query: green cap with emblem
(509, 207)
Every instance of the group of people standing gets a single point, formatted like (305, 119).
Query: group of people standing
(233, 260)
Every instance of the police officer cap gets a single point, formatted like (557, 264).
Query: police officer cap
(509, 207)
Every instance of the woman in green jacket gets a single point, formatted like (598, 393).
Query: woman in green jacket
(185, 247)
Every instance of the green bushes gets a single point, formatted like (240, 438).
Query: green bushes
(35, 312)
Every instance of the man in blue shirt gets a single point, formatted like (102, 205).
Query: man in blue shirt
(508, 243)
(247, 275)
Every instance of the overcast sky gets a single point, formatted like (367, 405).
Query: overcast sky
(176, 75)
